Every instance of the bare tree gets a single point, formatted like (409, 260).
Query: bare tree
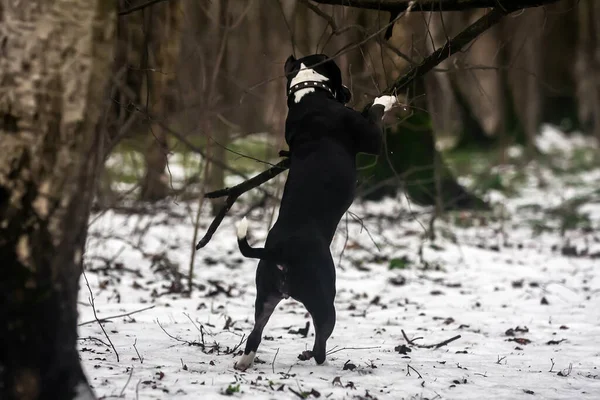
(53, 71)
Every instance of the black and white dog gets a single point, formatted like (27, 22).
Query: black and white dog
(324, 137)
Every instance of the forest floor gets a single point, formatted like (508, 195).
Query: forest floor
(519, 285)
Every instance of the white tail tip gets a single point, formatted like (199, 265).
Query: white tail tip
(242, 228)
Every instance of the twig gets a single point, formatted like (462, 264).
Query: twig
(137, 389)
(409, 367)
(137, 352)
(91, 299)
(117, 316)
(194, 343)
(552, 366)
(233, 350)
(296, 393)
(362, 226)
(332, 351)
(409, 341)
(500, 359)
(429, 346)
(200, 328)
(96, 339)
(273, 362)
(197, 221)
(441, 344)
(126, 383)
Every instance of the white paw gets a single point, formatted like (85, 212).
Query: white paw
(244, 362)
(242, 228)
(386, 101)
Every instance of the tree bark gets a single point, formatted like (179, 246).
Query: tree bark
(162, 54)
(53, 66)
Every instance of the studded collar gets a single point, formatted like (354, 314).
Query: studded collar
(310, 84)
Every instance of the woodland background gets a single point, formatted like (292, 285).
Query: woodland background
(202, 77)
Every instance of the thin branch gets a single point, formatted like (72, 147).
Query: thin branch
(333, 351)
(429, 346)
(94, 339)
(435, 5)
(237, 346)
(140, 7)
(450, 47)
(409, 367)
(137, 352)
(91, 299)
(189, 343)
(273, 362)
(117, 316)
(126, 383)
(236, 191)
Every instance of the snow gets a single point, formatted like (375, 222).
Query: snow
(482, 275)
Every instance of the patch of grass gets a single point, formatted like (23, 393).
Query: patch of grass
(232, 389)
(569, 217)
(399, 263)
(255, 147)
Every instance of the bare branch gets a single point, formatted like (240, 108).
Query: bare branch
(396, 6)
(450, 47)
(140, 7)
(236, 191)
(117, 316)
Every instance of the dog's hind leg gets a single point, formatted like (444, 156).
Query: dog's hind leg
(264, 307)
(323, 316)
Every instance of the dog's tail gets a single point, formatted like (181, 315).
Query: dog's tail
(245, 248)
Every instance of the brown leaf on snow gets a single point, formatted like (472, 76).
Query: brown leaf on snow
(513, 331)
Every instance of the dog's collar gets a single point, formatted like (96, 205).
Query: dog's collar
(310, 84)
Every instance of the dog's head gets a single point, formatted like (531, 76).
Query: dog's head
(315, 72)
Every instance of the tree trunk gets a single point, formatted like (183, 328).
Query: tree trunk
(55, 56)
(162, 56)
(587, 66)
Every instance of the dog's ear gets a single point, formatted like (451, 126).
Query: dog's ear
(344, 95)
(289, 65)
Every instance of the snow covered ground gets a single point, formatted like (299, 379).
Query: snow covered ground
(521, 286)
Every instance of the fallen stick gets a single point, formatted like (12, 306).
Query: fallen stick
(429, 346)
(116, 316)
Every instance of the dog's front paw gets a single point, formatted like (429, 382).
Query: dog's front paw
(244, 362)
(386, 101)
(305, 355)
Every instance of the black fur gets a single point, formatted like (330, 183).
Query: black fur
(324, 137)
